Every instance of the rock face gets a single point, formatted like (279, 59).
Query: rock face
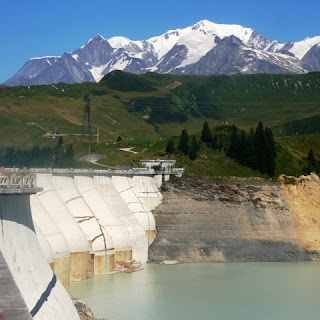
(231, 56)
(85, 313)
(241, 221)
(312, 58)
(304, 203)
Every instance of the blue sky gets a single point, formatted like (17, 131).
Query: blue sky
(35, 28)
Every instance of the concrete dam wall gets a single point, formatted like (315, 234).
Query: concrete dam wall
(37, 286)
(89, 219)
(62, 225)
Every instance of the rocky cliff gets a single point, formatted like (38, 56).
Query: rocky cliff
(202, 220)
(303, 197)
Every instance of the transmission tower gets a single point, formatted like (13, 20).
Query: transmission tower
(86, 120)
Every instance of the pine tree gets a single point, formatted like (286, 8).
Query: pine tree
(206, 135)
(184, 142)
(242, 148)
(60, 141)
(250, 156)
(216, 144)
(311, 159)
(259, 146)
(270, 160)
(270, 153)
(233, 150)
(194, 149)
(270, 140)
(170, 146)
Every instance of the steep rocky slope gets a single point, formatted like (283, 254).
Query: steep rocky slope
(238, 221)
(303, 197)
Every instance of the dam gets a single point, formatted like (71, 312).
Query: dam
(63, 225)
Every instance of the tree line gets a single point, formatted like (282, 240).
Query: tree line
(255, 150)
(56, 157)
(192, 149)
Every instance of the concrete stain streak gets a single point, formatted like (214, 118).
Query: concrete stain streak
(86, 219)
(44, 297)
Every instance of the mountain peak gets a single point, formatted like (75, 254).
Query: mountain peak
(203, 24)
(189, 50)
(119, 42)
(96, 39)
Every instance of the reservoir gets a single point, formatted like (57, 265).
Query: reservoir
(221, 291)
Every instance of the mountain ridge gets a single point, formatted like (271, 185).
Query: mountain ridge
(176, 51)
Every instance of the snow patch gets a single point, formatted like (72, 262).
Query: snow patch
(138, 55)
(75, 57)
(45, 57)
(123, 42)
(300, 48)
(97, 72)
(198, 44)
(120, 64)
(274, 46)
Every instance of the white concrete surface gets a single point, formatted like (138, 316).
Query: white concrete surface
(119, 208)
(157, 180)
(76, 238)
(99, 237)
(147, 190)
(50, 199)
(32, 273)
(44, 245)
(88, 190)
(55, 237)
(134, 201)
(49, 228)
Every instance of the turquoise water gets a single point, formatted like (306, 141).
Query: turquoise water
(220, 291)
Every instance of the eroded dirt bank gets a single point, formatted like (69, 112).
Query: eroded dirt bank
(201, 220)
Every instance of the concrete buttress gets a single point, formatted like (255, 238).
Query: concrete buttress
(93, 198)
(101, 245)
(77, 240)
(128, 220)
(44, 295)
(135, 202)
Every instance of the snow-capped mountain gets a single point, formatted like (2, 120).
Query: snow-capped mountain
(203, 48)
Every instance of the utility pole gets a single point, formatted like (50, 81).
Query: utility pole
(97, 135)
(86, 120)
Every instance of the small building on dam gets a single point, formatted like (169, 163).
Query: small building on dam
(62, 225)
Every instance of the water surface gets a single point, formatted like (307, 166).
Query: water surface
(221, 291)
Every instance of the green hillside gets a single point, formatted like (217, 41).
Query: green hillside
(145, 110)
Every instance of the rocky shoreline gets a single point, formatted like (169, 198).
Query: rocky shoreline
(85, 313)
(242, 220)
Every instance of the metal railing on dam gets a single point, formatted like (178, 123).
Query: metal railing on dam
(26, 177)
(16, 178)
